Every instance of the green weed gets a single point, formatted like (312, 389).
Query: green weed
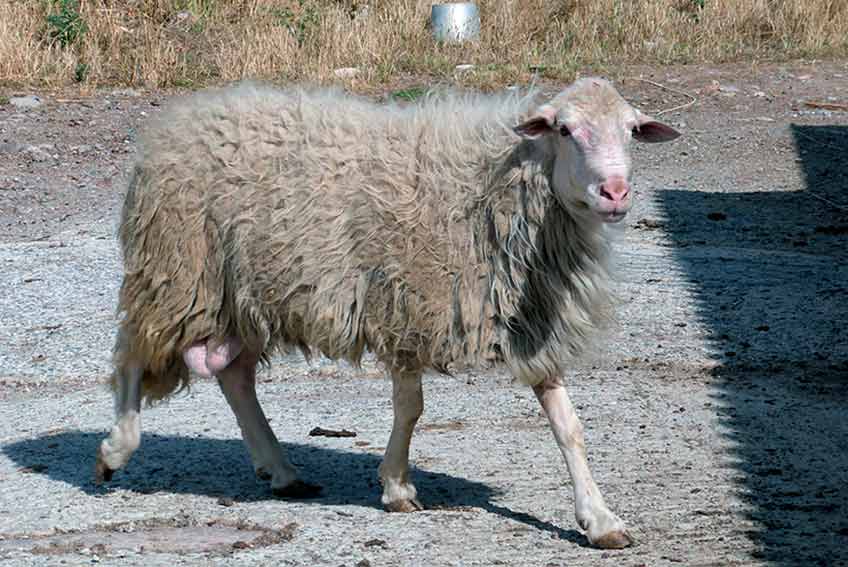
(410, 94)
(66, 25)
(80, 72)
(300, 23)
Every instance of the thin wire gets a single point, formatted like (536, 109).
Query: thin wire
(676, 91)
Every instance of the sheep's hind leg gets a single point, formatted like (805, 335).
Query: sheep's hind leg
(603, 528)
(399, 494)
(115, 451)
(238, 383)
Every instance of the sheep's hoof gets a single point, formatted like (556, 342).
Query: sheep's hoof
(298, 490)
(614, 540)
(262, 474)
(405, 505)
(102, 473)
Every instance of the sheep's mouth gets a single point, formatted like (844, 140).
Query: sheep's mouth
(607, 215)
(607, 210)
(612, 216)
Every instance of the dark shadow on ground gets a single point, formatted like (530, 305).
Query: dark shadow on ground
(771, 273)
(221, 468)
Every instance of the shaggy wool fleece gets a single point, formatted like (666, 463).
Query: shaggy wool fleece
(428, 234)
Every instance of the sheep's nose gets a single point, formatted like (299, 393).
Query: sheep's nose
(615, 189)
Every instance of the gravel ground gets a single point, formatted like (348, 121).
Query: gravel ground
(716, 411)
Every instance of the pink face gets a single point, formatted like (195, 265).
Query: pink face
(592, 164)
(592, 168)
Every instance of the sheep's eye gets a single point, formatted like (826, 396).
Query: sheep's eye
(563, 130)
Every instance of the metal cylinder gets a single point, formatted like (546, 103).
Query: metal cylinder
(456, 22)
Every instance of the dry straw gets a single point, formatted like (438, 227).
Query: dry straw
(196, 42)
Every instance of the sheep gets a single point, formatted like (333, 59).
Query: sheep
(464, 231)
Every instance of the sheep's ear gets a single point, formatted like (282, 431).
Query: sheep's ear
(541, 123)
(649, 130)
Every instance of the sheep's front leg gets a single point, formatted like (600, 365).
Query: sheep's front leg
(603, 528)
(238, 383)
(408, 404)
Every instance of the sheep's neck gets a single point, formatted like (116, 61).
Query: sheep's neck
(547, 271)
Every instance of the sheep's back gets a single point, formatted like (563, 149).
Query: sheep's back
(278, 216)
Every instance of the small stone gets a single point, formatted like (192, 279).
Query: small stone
(713, 87)
(464, 67)
(38, 153)
(361, 12)
(346, 72)
(225, 501)
(27, 101)
(183, 18)
(126, 92)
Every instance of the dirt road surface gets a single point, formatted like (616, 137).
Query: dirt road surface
(716, 414)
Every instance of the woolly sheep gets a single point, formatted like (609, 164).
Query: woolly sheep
(464, 231)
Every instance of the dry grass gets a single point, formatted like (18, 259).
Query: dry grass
(195, 42)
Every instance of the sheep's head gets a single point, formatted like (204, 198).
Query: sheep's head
(589, 127)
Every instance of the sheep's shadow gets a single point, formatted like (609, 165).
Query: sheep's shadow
(221, 468)
(771, 277)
